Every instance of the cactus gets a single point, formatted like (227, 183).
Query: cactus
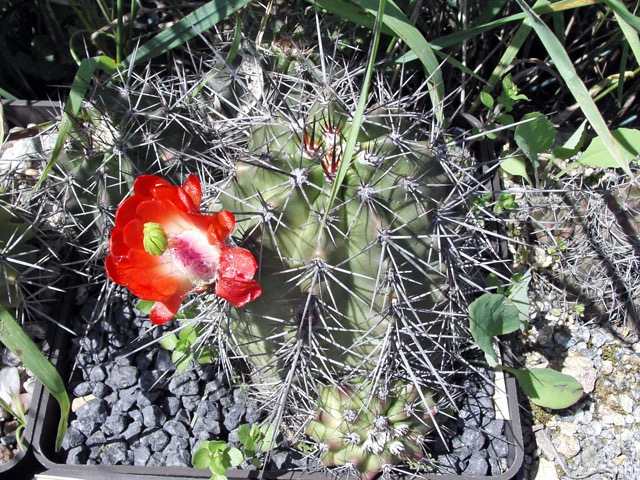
(29, 248)
(19, 257)
(361, 293)
(365, 432)
(341, 286)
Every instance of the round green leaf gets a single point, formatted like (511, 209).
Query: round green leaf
(235, 456)
(489, 316)
(218, 463)
(487, 99)
(267, 442)
(201, 457)
(169, 341)
(548, 388)
(145, 306)
(244, 433)
(181, 360)
(188, 334)
(216, 446)
(535, 136)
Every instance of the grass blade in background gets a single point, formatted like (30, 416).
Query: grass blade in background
(396, 21)
(14, 338)
(358, 115)
(78, 91)
(506, 61)
(7, 95)
(192, 25)
(575, 85)
(630, 33)
(621, 12)
(458, 38)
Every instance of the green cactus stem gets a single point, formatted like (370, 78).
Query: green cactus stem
(341, 287)
(365, 432)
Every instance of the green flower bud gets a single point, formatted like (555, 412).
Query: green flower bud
(154, 240)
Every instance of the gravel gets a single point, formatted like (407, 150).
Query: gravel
(599, 437)
(137, 409)
(140, 411)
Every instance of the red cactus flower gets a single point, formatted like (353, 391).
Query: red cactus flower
(162, 248)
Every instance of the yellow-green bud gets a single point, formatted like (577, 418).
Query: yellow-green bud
(154, 240)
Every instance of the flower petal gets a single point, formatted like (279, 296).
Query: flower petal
(220, 227)
(194, 189)
(235, 276)
(238, 292)
(146, 184)
(196, 253)
(162, 312)
(173, 219)
(237, 263)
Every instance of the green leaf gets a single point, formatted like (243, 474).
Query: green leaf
(17, 341)
(206, 355)
(188, 334)
(510, 94)
(573, 145)
(219, 463)
(548, 388)
(235, 456)
(169, 341)
(181, 360)
(597, 154)
(194, 24)
(145, 306)
(490, 315)
(519, 295)
(201, 457)
(535, 136)
(487, 99)
(216, 446)
(268, 433)
(516, 166)
(244, 433)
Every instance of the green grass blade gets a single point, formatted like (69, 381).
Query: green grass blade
(630, 34)
(7, 95)
(457, 38)
(401, 26)
(568, 72)
(347, 10)
(621, 11)
(508, 56)
(78, 91)
(395, 21)
(192, 25)
(14, 338)
(358, 114)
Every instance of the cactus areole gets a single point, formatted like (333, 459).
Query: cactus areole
(163, 248)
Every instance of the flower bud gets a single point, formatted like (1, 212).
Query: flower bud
(154, 239)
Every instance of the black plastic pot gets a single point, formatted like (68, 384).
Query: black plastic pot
(48, 415)
(20, 113)
(24, 465)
